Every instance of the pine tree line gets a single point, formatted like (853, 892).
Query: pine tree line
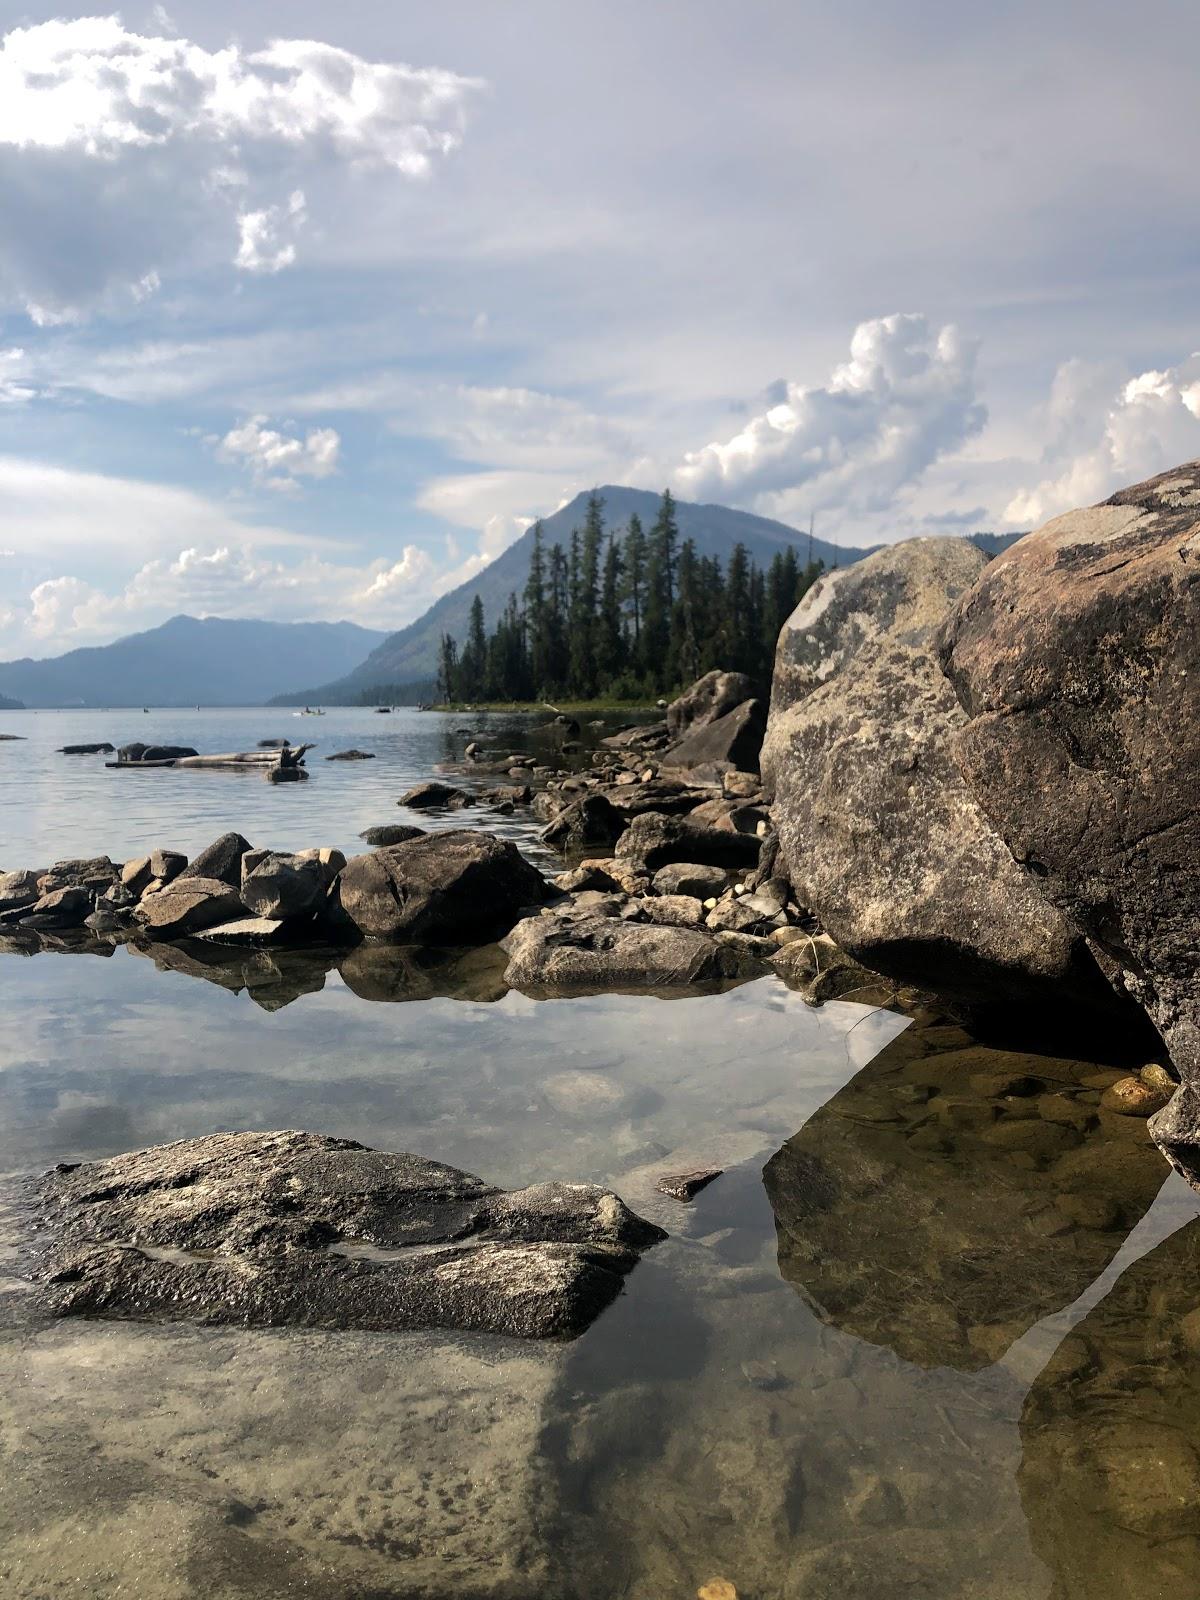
(625, 617)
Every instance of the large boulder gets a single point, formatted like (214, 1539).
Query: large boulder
(222, 859)
(590, 821)
(564, 954)
(298, 1229)
(709, 698)
(187, 905)
(727, 744)
(456, 887)
(1075, 657)
(879, 833)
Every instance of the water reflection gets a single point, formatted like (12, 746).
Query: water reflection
(1110, 1476)
(954, 1194)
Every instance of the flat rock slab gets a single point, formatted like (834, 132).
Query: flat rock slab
(300, 1229)
(686, 1186)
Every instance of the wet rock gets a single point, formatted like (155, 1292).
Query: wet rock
(459, 886)
(391, 833)
(690, 878)
(920, 1223)
(188, 905)
(726, 744)
(558, 955)
(85, 749)
(351, 755)
(686, 1185)
(287, 775)
(433, 796)
(1132, 1097)
(222, 860)
(653, 840)
(297, 1229)
(709, 698)
(139, 752)
(881, 837)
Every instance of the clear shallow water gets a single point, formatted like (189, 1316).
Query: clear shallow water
(891, 1367)
(919, 1340)
(54, 806)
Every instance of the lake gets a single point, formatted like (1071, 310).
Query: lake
(917, 1340)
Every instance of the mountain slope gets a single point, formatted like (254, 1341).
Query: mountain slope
(190, 661)
(410, 656)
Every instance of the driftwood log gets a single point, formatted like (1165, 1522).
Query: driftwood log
(260, 760)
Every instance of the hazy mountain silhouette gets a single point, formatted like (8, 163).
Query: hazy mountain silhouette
(210, 661)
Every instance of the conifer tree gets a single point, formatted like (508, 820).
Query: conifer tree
(633, 591)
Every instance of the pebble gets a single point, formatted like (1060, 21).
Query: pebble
(687, 1185)
(717, 1589)
(1131, 1097)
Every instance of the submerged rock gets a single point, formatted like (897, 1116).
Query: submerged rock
(881, 837)
(298, 1229)
(952, 1195)
(453, 887)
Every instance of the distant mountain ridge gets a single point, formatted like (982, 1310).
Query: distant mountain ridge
(407, 659)
(209, 661)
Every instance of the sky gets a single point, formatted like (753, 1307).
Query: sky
(306, 311)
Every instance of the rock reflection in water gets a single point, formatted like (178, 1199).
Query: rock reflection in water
(953, 1194)
(1111, 1431)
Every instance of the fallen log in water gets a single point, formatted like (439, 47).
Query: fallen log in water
(260, 760)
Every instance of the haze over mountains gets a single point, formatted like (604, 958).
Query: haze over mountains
(191, 661)
(407, 660)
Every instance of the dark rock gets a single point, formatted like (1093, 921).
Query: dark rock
(296, 1229)
(392, 833)
(728, 744)
(879, 833)
(54, 911)
(222, 860)
(653, 840)
(709, 698)
(690, 878)
(287, 775)
(429, 796)
(154, 752)
(274, 744)
(352, 755)
(556, 955)
(188, 905)
(686, 1186)
(282, 887)
(453, 887)
(1075, 657)
(84, 749)
(587, 822)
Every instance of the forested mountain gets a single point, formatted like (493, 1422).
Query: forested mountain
(405, 665)
(410, 656)
(210, 661)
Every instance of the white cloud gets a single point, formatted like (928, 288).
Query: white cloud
(263, 242)
(277, 460)
(13, 389)
(906, 397)
(49, 513)
(123, 153)
(1104, 434)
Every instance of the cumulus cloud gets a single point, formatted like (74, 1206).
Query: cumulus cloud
(121, 152)
(275, 459)
(1102, 434)
(13, 389)
(906, 396)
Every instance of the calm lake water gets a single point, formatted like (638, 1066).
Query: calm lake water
(916, 1341)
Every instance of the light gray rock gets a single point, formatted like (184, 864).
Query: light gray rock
(367, 1239)
(552, 955)
(188, 905)
(690, 878)
(708, 699)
